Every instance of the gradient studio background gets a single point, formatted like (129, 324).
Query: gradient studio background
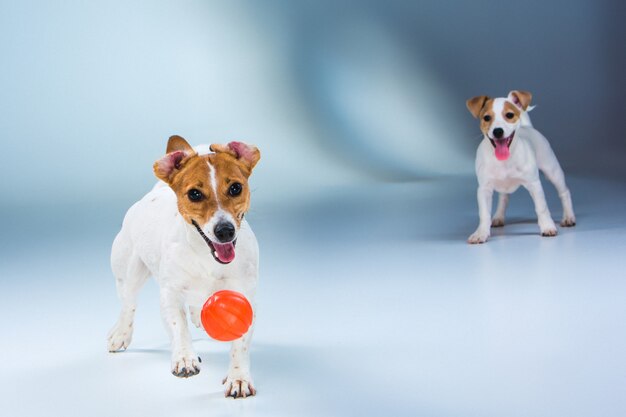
(371, 302)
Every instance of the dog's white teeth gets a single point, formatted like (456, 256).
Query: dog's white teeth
(215, 253)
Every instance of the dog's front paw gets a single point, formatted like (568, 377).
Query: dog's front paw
(497, 222)
(238, 385)
(478, 237)
(120, 337)
(549, 232)
(547, 227)
(568, 221)
(185, 364)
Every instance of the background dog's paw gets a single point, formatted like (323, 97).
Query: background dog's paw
(238, 385)
(568, 221)
(120, 337)
(185, 365)
(478, 237)
(497, 222)
(549, 232)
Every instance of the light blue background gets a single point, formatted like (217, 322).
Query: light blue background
(370, 301)
(92, 90)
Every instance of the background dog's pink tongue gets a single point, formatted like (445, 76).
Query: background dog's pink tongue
(225, 251)
(502, 150)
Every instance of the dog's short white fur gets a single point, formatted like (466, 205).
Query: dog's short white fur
(529, 153)
(156, 241)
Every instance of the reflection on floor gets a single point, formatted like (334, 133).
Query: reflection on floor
(370, 303)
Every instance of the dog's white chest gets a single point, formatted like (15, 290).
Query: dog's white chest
(506, 179)
(506, 176)
(198, 288)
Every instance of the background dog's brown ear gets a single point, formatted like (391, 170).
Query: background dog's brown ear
(178, 153)
(249, 155)
(476, 104)
(520, 98)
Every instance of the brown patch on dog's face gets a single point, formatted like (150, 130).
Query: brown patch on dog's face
(486, 116)
(510, 113)
(481, 107)
(192, 186)
(231, 184)
(205, 184)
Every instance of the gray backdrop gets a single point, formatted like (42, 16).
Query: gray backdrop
(330, 91)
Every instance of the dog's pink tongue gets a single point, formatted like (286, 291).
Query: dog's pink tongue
(225, 251)
(502, 150)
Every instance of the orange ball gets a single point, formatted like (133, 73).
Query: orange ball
(226, 315)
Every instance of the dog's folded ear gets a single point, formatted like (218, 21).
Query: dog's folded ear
(476, 104)
(178, 153)
(520, 98)
(247, 154)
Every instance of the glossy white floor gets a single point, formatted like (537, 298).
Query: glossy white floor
(370, 304)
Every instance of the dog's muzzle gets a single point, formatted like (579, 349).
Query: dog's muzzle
(502, 146)
(224, 251)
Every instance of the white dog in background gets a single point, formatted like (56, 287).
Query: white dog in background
(511, 154)
(185, 233)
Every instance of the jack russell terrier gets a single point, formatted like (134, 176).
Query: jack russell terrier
(184, 233)
(511, 154)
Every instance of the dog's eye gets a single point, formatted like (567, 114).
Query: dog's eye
(487, 118)
(235, 189)
(510, 115)
(195, 195)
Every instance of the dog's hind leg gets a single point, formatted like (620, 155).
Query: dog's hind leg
(130, 275)
(549, 165)
(554, 173)
(498, 217)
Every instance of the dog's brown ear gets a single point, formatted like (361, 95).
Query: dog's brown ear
(178, 143)
(178, 153)
(247, 154)
(520, 98)
(476, 104)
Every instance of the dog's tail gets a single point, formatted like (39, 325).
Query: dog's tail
(525, 118)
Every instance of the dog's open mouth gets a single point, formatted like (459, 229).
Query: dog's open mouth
(223, 253)
(502, 146)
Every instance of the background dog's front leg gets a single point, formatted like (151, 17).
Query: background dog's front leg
(238, 382)
(498, 217)
(546, 224)
(485, 197)
(185, 362)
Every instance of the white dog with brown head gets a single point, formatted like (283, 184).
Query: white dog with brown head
(189, 233)
(511, 154)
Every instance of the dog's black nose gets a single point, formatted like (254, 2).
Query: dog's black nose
(224, 232)
(498, 132)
